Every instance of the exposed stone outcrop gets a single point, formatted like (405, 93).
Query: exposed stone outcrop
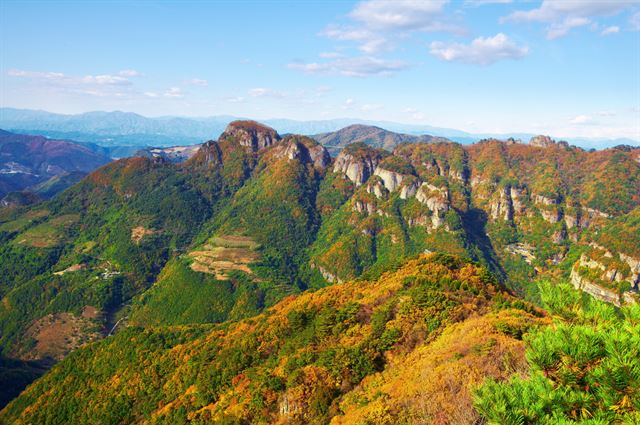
(571, 221)
(607, 274)
(364, 207)
(502, 206)
(250, 134)
(596, 291)
(358, 166)
(542, 141)
(436, 199)
(545, 200)
(522, 249)
(390, 179)
(634, 265)
(377, 188)
(305, 150)
(409, 188)
(517, 199)
(209, 154)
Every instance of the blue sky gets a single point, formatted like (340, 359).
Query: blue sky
(568, 67)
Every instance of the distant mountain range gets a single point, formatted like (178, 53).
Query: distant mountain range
(44, 166)
(374, 136)
(126, 129)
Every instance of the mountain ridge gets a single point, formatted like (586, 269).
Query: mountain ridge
(162, 131)
(255, 217)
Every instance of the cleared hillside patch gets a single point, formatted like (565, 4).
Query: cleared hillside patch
(225, 253)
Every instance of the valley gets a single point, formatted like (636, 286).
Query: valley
(430, 238)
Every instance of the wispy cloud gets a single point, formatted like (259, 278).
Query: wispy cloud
(359, 66)
(101, 85)
(400, 14)
(481, 51)
(634, 20)
(198, 82)
(368, 41)
(265, 92)
(170, 93)
(610, 30)
(129, 73)
(562, 16)
(235, 99)
(378, 26)
(476, 3)
(119, 79)
(581, 120)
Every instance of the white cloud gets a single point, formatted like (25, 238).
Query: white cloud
(129, 73)
(103, 85)
(607, 113)
(399, 14)
(174, 92)
(235, 99)
(198, 82)
(610, 30)
(371, 107)
(581, 120)
(370, 41)
(481, 51)
(380, 23)
(151, 94)
(635, 21)
(560, 29)
(36, 75)
(562, 16)
(477, 3)
(415, 115)
(106, 80)
(348, 103)
(265, 92)
(359, 66)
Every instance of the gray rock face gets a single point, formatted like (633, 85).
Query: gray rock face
(502, 205)
(377, 188)
(542, 141)
(544, 200)
(571, 221)
(604, 294)
(409, 189)
(634, 265)
(305, 151)
(607, 274)
(517, 199)
(436, 199)
(251, 134)
(358, 170)
(320, 156)
(390, 179)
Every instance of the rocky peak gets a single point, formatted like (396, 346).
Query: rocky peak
(358, 162)
(250, 134)
(542, 141)
(209, 154)
(303, 149)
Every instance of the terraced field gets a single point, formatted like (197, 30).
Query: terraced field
(49, 233)
(222, 254)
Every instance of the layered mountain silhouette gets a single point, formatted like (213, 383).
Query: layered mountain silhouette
(30, 161)
(412, 244)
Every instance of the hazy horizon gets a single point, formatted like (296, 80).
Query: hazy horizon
(493, 67)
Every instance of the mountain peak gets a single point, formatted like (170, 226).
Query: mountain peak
(542, 141)
(251, 134)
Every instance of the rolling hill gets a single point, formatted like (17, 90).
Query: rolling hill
(169, 257)
(370, 135)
